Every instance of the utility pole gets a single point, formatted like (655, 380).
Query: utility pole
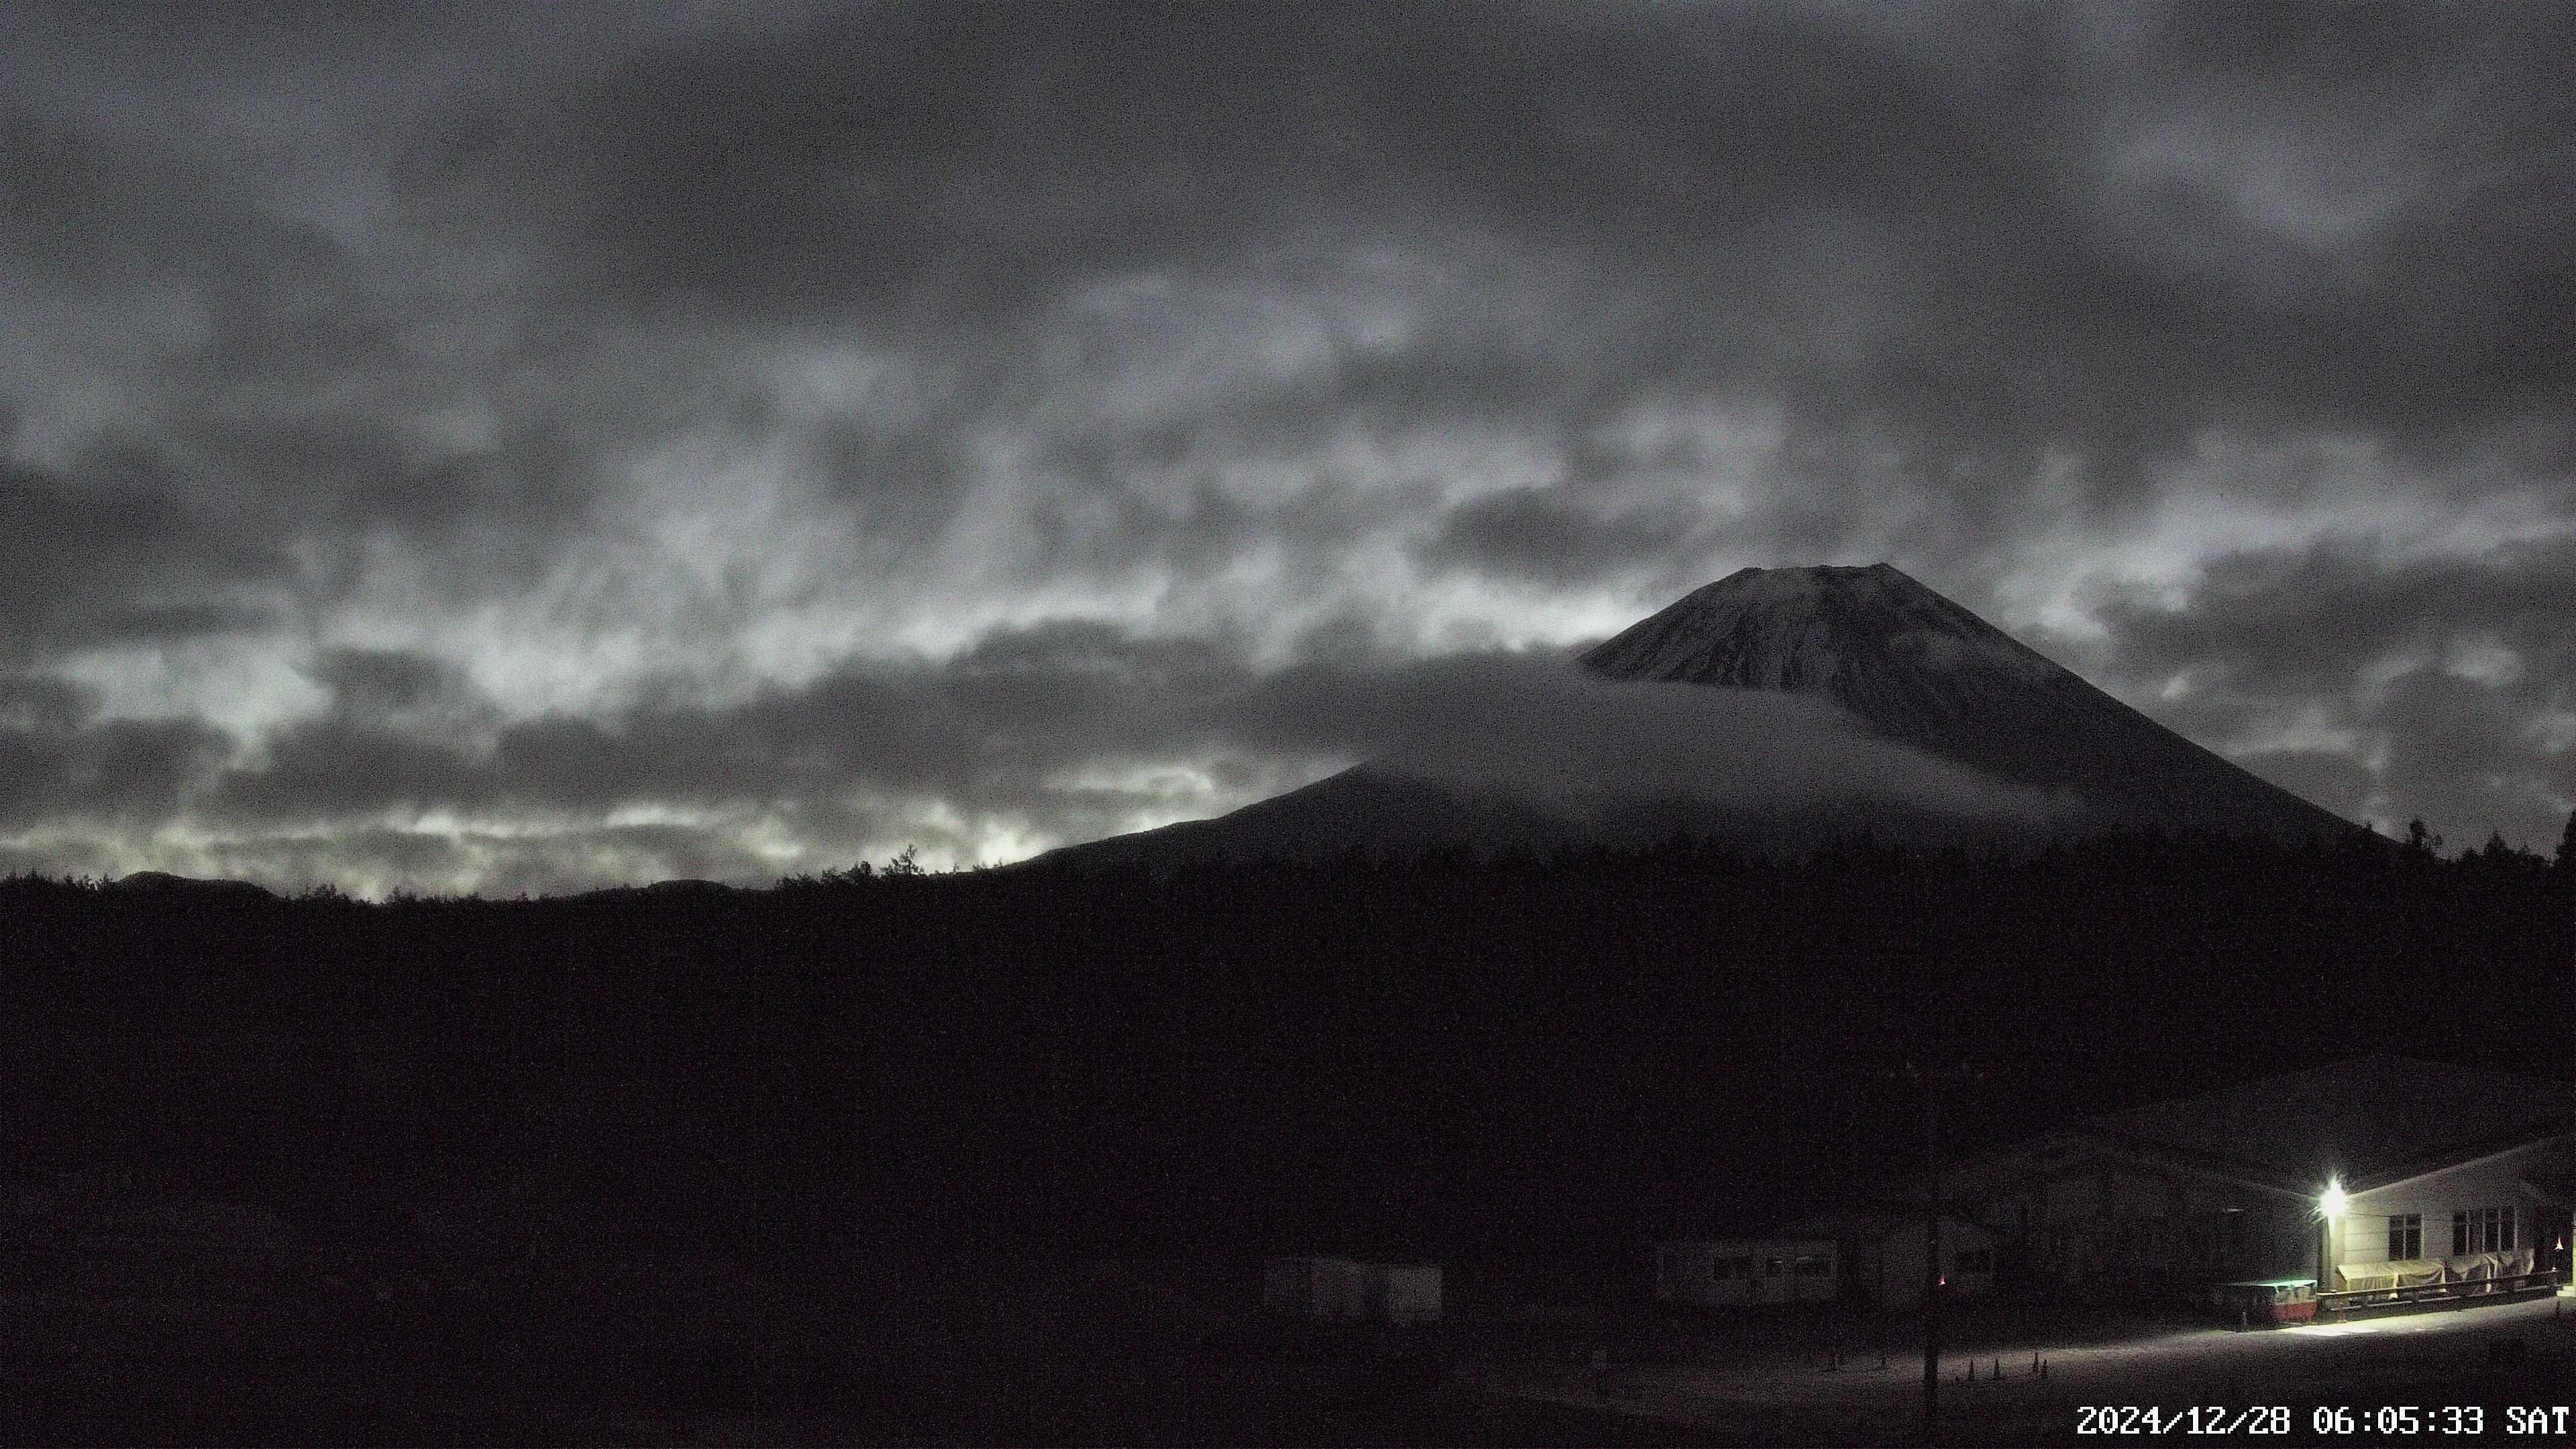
(1931, 1080)
(1931, 1254)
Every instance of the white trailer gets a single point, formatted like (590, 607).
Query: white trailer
(1341, 1290)
(1882, 1255)
(1747, 1272)
(1408, 1293)
(1327, 1290)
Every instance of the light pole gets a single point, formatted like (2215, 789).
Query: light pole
(1930, 1080)
(2330, 1206)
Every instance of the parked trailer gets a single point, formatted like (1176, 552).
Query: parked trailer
(1340, 1290)
(2268, 1300)
(1326, 1290)
(1747, 1272)
(1408, 1293)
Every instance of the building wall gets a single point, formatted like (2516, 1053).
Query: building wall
(2493, 1182)
(1739, 1272)
(1899, 1280)
(2110, 1230)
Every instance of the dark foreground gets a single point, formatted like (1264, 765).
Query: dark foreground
(1004, 1352)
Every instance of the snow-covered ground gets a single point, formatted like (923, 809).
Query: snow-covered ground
(1729, 1382)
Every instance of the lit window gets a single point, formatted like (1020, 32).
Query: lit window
(2406, 1236)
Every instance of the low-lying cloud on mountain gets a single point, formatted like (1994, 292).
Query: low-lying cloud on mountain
(1541, 728)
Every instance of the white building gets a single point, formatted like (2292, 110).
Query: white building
(2367, 1172)
(1341, 1290)
(1324, 1289)
(1882, 1255)
(1745, 1272)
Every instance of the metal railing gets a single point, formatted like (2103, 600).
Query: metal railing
(2464, 1289)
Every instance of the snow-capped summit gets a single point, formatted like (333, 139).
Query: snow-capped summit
(1921, 669)
(1834, 629)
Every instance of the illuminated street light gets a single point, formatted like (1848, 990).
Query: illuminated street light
(2330, 1206)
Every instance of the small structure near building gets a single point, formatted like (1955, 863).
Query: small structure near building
(2267, 1300)
(1746, 1272)
(1343, 1290)
(1882, 1255)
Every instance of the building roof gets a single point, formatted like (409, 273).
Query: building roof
(1868, 1225)
(1785, 1241)
(2365, 1121)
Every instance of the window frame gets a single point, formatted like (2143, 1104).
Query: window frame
(2405, 1230)
(2486, 1229)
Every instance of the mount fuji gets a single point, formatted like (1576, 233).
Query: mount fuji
(1852, 672)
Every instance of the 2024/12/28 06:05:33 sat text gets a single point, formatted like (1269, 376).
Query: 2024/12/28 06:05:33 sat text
(2430, 1420)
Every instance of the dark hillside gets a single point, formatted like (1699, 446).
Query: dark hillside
(1447, 1051)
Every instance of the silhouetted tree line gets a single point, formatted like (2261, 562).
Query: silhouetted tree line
(1431, 1055)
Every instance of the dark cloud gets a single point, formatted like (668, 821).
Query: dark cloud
(1061, 731)
(1951, 238)
(84, 208)
(370, 680)
(59, 762)
(2442, 685)
(989, 729)
(1532, 534)
(725, 411)
(123, 551)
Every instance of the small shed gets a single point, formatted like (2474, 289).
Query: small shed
(1745, 1272)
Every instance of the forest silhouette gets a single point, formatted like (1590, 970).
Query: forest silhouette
(1446, 1054)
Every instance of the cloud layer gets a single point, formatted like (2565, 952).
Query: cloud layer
(525, 446)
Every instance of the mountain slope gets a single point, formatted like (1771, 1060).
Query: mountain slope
(1920, 669)
(1914, 667)
(161, 885)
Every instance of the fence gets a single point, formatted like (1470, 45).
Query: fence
(2460, 1289)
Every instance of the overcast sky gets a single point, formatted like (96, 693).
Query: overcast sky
(524, 448)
